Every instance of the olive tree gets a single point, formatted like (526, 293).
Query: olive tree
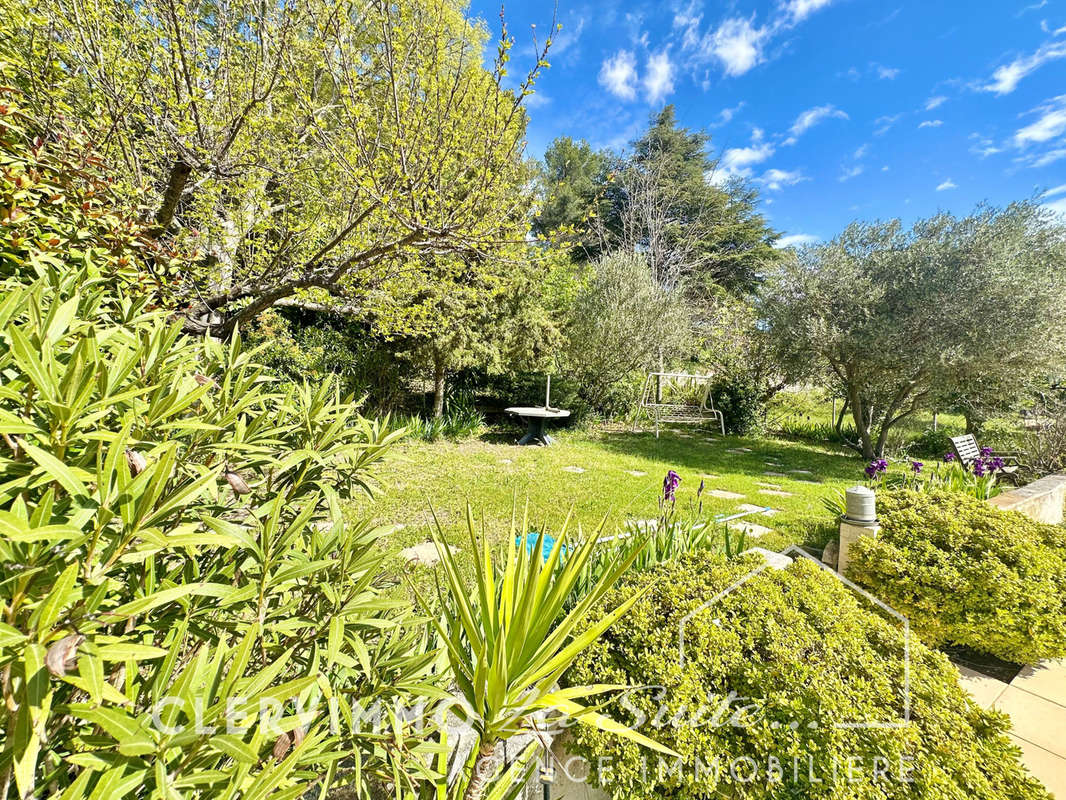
(314, 152)
(895, 319)
(621, 321)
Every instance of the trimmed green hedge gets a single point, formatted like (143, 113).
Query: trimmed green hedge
(803, 654)
(967, 573)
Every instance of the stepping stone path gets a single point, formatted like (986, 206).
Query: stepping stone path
(775, 474)
(769, 485)
(773, 560)
(636, 473)
(1036, 702)
(424, 555)
(775, 492)
(750, 528)
(722, 494)
(739, 450)
(576, 470)
(801, 472)
(766, 512)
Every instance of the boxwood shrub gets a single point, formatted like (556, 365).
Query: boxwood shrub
(967, 573)
(776, 675)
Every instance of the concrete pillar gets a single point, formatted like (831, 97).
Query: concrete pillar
(851, 532)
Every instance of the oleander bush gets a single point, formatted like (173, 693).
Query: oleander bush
(967, 573)
(771, 671)
(173, 558)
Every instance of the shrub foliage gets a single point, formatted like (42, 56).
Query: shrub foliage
(800, 653)
(966, 573)
(171, 529)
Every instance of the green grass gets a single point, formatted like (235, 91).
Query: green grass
(422, 478)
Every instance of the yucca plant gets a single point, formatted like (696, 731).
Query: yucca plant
(510, 637)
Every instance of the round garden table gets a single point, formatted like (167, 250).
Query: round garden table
(535, 418)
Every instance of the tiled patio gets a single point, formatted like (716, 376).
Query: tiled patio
(1036, 702)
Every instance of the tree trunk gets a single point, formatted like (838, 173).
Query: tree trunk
(438, 384)
(863, 422)
(483, 769)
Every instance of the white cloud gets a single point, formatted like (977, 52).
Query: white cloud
(737, 44)
(984, 147)
(796, 240)
(811, 117)
(1055, 191)
(1058, 206)
(1051, 124)
(935, 102)
(738, 161)
(884, 124)
(861, 152)
(726, 115)
(659, 80)
(931, 123)
(1048, 158)
(852, 172)
(566, 39)
(1007, 77)
(777, 179)
(619, 75)
(887, 73)
(536, 100)
(948, 184)
(799, 10)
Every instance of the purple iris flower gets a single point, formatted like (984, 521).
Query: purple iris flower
(986, 452)
(876, 467)
(997, 464)
(670, 484)
(949, 457)
(979, 468)
(916, 466)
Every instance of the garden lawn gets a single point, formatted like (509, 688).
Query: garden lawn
(607, 474)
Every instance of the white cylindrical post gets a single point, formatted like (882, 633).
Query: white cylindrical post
(548, 393)
(860, 519)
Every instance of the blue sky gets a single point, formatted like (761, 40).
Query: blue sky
(836, 109)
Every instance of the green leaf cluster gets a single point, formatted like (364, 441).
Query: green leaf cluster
(967, 573)
(173, 556)
(769, 670)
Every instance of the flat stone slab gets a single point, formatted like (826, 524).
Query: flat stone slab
(766, 512)
(1037, 716)
(750, 528)
(1047, 679)
(984, 689)
(768, 485)
(739, 450)
(801, 472)
(775, 492)
(1045, 766)
(776, 474)
(722, 494)
(775, 560)
(1035, 719)
(576, 470)
(636, 473)
(1042, 500)
(424, 554)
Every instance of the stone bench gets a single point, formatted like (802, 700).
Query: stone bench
(1042, 500)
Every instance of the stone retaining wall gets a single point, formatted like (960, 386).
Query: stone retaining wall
(1043, 500)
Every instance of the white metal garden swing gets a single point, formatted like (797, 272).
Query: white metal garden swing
(677, 398)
